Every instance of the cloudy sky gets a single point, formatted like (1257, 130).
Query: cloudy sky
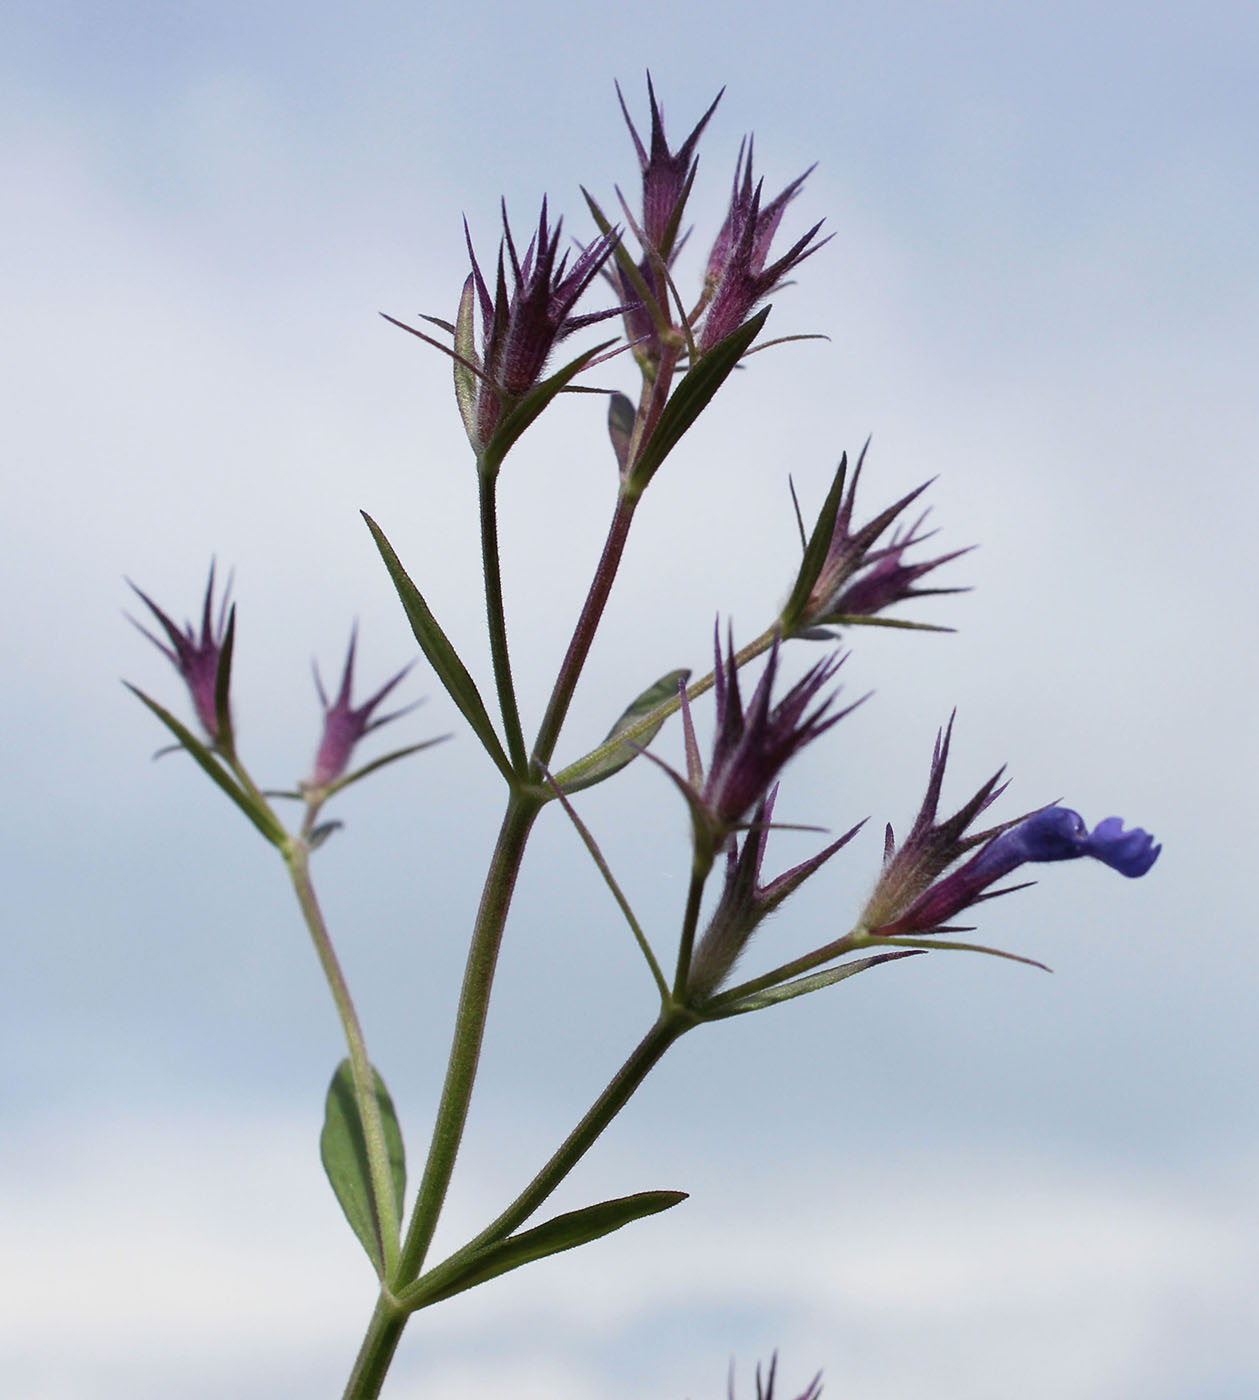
(954, 1178)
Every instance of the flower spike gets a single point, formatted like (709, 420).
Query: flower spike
(196, 658)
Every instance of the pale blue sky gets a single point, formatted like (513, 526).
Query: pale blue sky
(1043, 289)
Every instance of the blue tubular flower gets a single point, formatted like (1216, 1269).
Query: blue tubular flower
(737, 278)
(195, 658)
(911, 898)
(346, 724)
(744, 902)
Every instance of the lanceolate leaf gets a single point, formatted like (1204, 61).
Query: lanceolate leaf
(814, 982)
(563, 1232)
(343, 1149)
(693, 394)
(223, 685)
(442, 657)
(585, 773)
(257, 812)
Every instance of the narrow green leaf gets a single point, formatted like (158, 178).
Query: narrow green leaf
(693, 394)
(786, 991)
(257, 812)
(601, 763)
(521, 414)
(343, 1150)
(816, 550)
(577, 1227)
(442, 657)
(223, 685)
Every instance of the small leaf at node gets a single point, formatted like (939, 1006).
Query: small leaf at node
(343, 1149)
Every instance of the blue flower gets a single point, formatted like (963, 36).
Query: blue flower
(915, 896)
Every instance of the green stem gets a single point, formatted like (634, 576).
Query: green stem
(701, 867)
(673, 1023)
(372, 1364)
(497, 621)
(465, 1051)
(297, 858)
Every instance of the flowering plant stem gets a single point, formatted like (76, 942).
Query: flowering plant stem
(297, 859)
(496, 617)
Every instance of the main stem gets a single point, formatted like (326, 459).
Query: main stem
(465, 1050)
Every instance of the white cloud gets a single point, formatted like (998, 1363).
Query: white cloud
(142, 1249)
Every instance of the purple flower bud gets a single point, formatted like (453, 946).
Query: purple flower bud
(195, 658)
(346, 724)
(912, 898)
(745, 902)
(860, 578)
(520, 327)
(737, 278)
(751, 746)
(667, 175)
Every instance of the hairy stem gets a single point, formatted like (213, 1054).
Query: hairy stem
(465, 1050)
(375, 1356)
(496, 619)
(584, 633)
(297, 858)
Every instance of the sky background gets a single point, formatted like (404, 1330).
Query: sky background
(956, 1178)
